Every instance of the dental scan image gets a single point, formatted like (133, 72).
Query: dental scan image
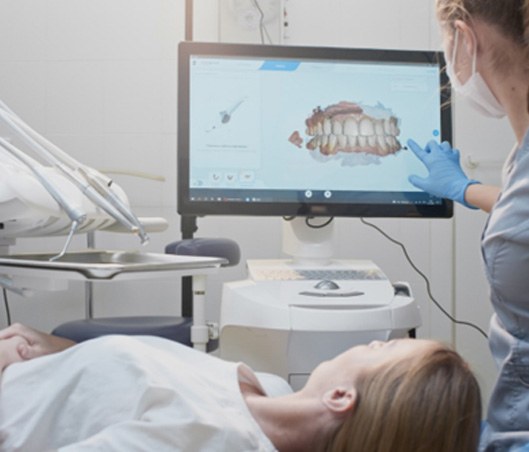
(299, 130)
(350, 128)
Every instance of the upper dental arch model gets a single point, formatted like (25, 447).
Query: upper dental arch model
(348, 127)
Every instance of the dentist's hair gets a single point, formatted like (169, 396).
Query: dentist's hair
(509, 17)
(427, 403)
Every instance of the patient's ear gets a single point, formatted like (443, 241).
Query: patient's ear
(340, 400)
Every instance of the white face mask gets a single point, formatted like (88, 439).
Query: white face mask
(475, 89)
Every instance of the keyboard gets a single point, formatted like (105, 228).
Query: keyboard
(291, 274)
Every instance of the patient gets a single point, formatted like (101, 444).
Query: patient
(120, 393)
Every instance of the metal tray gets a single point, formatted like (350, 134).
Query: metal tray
(96, 264)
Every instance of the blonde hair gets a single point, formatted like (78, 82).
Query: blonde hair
(428, 403)
(509, 17)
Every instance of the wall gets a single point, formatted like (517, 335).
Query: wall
(99, 78)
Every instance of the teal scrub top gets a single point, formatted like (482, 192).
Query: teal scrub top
(505, 249)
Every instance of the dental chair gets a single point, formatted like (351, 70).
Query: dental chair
(170, 327)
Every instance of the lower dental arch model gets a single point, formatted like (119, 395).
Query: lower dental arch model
(348, 127)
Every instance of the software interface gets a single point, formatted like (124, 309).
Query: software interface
(266, 130)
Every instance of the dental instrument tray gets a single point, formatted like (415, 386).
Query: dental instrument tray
(105, 265)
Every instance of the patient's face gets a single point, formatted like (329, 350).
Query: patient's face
(346, 367)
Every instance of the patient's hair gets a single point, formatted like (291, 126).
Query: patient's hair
(428, 403)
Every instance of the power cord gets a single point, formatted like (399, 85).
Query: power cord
(311, 225)
(410, 261)
(317, 226)
(262, 27)
(6, 305)
(427, 281)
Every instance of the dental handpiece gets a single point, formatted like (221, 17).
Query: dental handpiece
(68, 166)
(75, 213)
(107, 193)
(8, 284)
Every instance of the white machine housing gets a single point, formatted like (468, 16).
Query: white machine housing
(278, 321)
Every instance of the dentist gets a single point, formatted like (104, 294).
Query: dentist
(486, 44)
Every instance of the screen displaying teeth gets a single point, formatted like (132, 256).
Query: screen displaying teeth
(345, 127)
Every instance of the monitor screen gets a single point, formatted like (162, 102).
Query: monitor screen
(307, 131)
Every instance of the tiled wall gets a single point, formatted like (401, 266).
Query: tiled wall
(98, 78)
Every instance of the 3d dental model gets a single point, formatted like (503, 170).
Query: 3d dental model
(351, 128)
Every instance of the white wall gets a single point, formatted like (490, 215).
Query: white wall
(98, 77)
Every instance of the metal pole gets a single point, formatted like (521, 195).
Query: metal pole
(188, 225)
(89, 285)
(189, 20)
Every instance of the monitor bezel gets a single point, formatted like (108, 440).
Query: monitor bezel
(186, 206)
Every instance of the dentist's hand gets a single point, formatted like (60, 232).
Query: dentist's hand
(445, 177)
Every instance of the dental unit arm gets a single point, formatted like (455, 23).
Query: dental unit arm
(66, 197)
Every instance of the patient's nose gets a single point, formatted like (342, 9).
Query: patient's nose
(376, 344)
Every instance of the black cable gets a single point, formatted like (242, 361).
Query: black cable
(309, 224)
(6, 304)
(427, 281)
(317, 226)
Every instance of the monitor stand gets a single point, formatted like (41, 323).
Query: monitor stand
(308, 245)
(311, 251)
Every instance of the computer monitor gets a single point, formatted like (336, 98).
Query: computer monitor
(307, 131)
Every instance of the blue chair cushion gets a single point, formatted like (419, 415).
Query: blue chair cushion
(210, 247)
(173, 328)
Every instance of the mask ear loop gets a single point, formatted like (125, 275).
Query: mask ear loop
(475, 53)
(475, 56)
(456, 45)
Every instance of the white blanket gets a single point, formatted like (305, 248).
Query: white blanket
(128, 394)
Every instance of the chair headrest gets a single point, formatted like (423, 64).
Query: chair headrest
(210, 247)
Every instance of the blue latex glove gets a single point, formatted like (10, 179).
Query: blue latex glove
(446, 179)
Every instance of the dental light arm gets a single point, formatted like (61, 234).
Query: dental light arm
(94, 185)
